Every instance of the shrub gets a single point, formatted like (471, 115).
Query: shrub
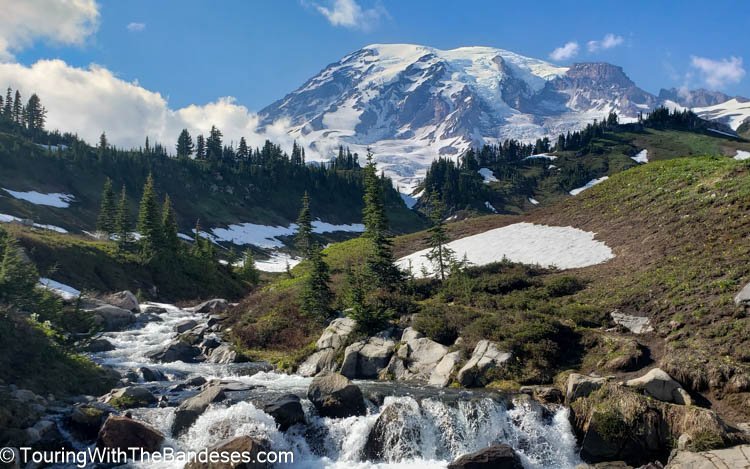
(564, 286)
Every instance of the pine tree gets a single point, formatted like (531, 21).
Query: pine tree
(380, 263)
(184, 144)
(316, 293)
(247, 271)
(122, 221)
(103, 143)
(170, 239)
(370, 317)
(149, 223)
(17, 109)
(243, 153)
(200, 148)
(18, 277)
(214, 148)
(441, 256)
(106, 221)
(304, 236)
(8, 106)
(35, 114)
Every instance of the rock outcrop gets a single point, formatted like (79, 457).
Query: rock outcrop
(659, 385)
(365, 359)
(485, 358)
(125, 300)
(635, 324)
(334, 338)
(190, 409)
(217, 305)
(581, 386)
(735, 457)
(417, 359)
(112, 318)
(335, 396)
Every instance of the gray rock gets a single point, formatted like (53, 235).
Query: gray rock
(335, 396)
(224, 354)
(151, 309)
(659, 385)
(441, 375)
(184, 326)
(99, 345)
(417, 357)
(244, 445)
(87, 419)
(635, 324)
(175, 351)
(486, 357)
(395, 431)
(111, 318)
(365, 359)
(130, 397)
(581, 386)
(318, 362)
(125, 300)
(497, 456)
(125, 433)
(190, 409)
(336, 334)
(286, 410)
(150, 375)
(214, 306)
(743, 297)
(735, 457)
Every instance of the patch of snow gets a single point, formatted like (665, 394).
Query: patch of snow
(277, 262)
(733, 112)
(563, 247)
(488, 175)
(5, 218)
(545, 156)
(52, 147)
(60, 289)
(717, 131)
(742, 155)
(641, 157)
(54, 199)
(533, 201)
(490, 207)
(266, 236)
(409, 200)
(186, 237)
(589, 185)
(51, 228)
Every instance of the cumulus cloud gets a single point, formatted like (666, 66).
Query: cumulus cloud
(719, 73)
(349, 14)
(565, 52)
(89, 101)
(608, 42)
(67, 22)
(136, 27)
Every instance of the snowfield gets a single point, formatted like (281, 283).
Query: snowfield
(641, 157)
(65, 292)
(54, 199)
(563, 247)
(589, 185)
(742, 155)
(265, 236)
(277, 262)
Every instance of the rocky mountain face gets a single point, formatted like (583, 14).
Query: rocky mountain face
(413, 103)
(693, 98)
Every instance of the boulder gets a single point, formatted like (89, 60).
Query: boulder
(320, 361)
(396, 431)
(581, 386)
(239, 445)
(417, 357)
(111, 318)
(743, 297)
(175, 351)
(99, 345)
(286, 411)
(335, 396)
(130, 397)
(44, 435)
(124, 433)
(150, 375)
(443, 372)
(154, 310)
(125, 300)
(659, 385)
(497, 456)
(224, 354)
(214, 306)
(485, 358)
(190, 409)
(635, 324)
(336, 334)
(544, 394)
(738, 456)
(87, 419)
(365, 359)
(186, 325)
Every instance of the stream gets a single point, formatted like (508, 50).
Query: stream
(434, 425)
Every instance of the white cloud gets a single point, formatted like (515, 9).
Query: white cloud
(349, 14)
(136, 27)
(609, 41)
(568, 51)
(719, 73)
(22, 22)
(93, 100)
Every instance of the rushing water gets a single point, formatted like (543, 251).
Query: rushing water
(432, 426)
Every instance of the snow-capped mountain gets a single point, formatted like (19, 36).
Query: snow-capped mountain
(412, 103)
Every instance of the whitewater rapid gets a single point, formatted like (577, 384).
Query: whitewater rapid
(432, 426)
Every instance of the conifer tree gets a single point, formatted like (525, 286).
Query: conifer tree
(214, 148)
(103, 143)
(185, 144)
(17, 115)
(149, 223)
(441, 256)
(200, 148)
(243, 153)
(380, 265)
(8, 106)
(35, 114)
(316, 293)
(106, 221)
(304, 236)
(122, 221)
(170, 239)
(247, 271)
(18, 277)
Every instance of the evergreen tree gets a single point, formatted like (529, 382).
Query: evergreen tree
(18, 277)
(370, 318)
(247, 271)
(8, 106)
(214, 148)
(380, 265)
(149, 223)
(171, 241)
(304, 236)
(103, 143)
(441, 256)
(17, 115)
(200, 148)
(316, 293)
(184, 144)
(106, 222)
(122, 221)
(35, 114)
(243, 153)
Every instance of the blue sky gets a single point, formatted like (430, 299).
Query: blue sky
(194, 51)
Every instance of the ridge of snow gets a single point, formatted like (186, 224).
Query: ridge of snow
(66, 292)
(589, 185)
(266, 236)
(53, 199)
(734, 112)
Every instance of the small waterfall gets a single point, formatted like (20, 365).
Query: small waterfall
(404, 432)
